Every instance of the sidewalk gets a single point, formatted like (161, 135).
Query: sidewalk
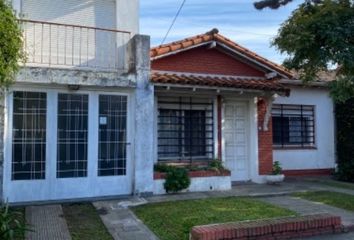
(47, 222)
(305, 207)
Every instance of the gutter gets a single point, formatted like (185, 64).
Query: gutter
(300, 83)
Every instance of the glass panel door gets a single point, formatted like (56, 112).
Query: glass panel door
(112, 153)
(29, 135)
(72, 135)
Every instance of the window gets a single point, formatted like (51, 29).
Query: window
(72, 135)
(185, 129)
(293, 125)
(112, 135)
(29, 135)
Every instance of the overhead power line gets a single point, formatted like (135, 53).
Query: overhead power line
(173, 22)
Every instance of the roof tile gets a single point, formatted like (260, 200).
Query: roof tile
(218, 81)
(213, 35)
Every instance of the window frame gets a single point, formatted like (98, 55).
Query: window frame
(182, 105)
(44, 174)
(310, 133)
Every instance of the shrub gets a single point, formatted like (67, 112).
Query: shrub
(10, 44)
(162, 168)
(11, 224)
(276, 170)
(345, 140)
(177, 179)
(216, 165)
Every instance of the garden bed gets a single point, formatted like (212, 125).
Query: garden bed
(201, 181)
(174, 220)
(198, 173)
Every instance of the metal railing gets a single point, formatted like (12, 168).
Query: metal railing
(74, 46)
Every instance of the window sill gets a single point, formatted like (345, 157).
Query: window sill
(294, 148)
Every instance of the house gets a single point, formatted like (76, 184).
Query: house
(243, 109)
(94, 108)
(73, 119)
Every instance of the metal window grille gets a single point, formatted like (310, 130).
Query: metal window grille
(293, 125)
(72, 135)
(185, 129)
(29, 135)
(112, 135)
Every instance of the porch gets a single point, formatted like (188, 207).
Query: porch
(202, 118)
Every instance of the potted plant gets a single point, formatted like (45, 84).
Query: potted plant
(276, 176)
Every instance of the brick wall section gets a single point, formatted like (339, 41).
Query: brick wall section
(276, 229)
(265, 140)
(205, 61)
(308, 172)
(197, 174)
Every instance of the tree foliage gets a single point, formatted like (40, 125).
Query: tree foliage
(273, 4)
(10, 44)
(345, 140)
(317, 36)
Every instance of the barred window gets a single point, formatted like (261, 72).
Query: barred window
(29, 135)
(293, 125)
(185, 129)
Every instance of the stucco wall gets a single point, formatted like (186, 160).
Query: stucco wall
(323, 157)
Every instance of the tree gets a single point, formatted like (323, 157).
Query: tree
(318, 36)
(273, 4)
(11, 52)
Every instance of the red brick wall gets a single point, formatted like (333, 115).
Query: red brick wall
(265, 140)
(205, 61)
(308, 172)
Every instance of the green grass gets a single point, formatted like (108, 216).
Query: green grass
(340, 200)
(84, 222)
(333, 183)
(174, 220)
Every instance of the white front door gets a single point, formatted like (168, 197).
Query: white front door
(63, 145)
(235, 132)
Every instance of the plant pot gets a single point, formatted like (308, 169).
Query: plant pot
(272, 179)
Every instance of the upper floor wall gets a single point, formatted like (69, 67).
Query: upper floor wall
(78, 33)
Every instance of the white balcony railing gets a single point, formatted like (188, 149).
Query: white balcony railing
(61, 45)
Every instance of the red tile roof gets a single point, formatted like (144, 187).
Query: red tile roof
(213, 35)
(218, 81)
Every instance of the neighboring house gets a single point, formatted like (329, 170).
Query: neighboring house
(73, 118)
(216, 99)
(87, 118)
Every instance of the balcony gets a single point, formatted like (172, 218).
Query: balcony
(72, 46)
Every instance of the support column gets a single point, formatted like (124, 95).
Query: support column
(139, 52)
(265, 138)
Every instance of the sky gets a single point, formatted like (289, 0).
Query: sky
(235, 19)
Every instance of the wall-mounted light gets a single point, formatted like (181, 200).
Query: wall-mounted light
(73, 87)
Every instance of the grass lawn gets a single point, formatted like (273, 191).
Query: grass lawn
(174, 220)
(84, 222)
(335, 199)
(334, 183)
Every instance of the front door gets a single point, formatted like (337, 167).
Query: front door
(235, 132)
(65, 145)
